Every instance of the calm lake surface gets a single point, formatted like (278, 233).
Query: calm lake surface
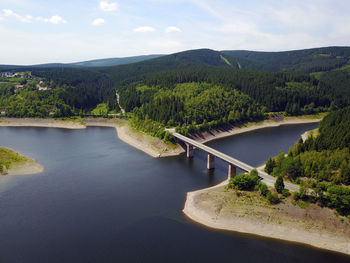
(100, 200)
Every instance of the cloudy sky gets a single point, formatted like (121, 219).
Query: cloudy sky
(42, 31)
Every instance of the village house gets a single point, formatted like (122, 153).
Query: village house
(19, 86)
(44, 88)
(7, 74)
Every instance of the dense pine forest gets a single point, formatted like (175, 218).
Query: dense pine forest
(322, 162)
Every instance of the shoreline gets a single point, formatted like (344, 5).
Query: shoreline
(30, 167)
(205, 137)
(152, 146)
(202, 208)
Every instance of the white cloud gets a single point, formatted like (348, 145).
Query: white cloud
(23, 19)
(98, 22)
(53, 20)
(173, 29)
(30, 19)
(108, 6)
(144, 29)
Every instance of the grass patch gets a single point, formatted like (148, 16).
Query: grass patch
(226, 61)
(316, 75)
(314, 133)
(73, 119)
(309, 116)
(301, 204)
(8, 158)
(101, 109)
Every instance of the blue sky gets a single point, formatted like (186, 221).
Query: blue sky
(42, 31)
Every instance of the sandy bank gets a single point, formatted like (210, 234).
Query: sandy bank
(37, 122)
(139, 140)
(146, 143)
(220, 133)
(249, 213)
(29, 167)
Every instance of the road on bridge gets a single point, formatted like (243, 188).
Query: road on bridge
(266, 178)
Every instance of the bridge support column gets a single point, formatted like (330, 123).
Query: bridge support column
(189, 150)
(211, 162)
(231, 171)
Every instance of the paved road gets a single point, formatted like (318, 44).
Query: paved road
(122, 110)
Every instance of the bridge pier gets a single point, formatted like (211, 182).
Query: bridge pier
(211, 162)
(189, 150)
(231, 171)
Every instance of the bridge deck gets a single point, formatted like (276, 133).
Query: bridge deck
(268, 179)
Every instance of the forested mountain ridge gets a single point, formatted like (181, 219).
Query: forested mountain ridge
(301, 61)
(291, 92)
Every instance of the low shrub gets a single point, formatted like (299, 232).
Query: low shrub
(263, 189)
(285, 193)
(273, 198)
(244, 182)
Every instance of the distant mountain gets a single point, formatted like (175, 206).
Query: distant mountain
(300, 61)
(203, 58)
(107, 62)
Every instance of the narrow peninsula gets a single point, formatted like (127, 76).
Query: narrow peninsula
(317, 214)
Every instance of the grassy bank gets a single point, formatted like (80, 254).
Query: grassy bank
(12, 162)
(9, 158)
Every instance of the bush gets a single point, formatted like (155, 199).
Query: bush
(264, 190)
(273, 198)
(285, 193)
(296, 196)
(270, 164)
(279, 184)
(244, 182)
(168, 137)
(339, 198)
(303, 193)
(254, 172)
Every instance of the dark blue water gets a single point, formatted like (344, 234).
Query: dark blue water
(100, 200)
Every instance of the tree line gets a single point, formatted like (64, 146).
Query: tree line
(323, 159)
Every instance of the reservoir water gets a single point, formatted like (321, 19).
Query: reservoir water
(100, 200)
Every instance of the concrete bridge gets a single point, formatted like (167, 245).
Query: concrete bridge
(232, 162)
